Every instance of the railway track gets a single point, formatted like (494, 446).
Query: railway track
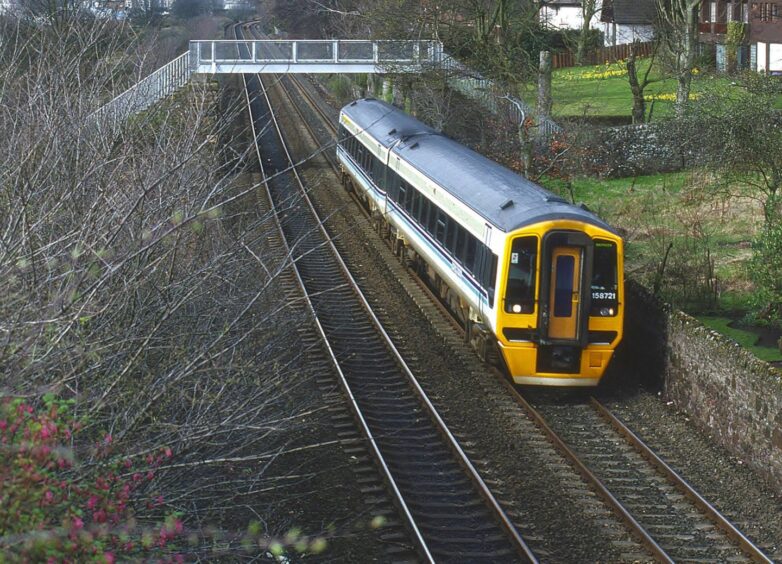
(670, 519)
(450, 512)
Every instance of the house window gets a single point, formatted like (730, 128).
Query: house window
(767, 12)
(713, 12)
(745, 12)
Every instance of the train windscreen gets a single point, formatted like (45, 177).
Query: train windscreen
(604, 280)
(520, 289)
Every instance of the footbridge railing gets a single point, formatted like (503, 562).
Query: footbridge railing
(312, 56)
(163, 82)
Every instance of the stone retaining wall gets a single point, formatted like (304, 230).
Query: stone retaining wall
(725, 390)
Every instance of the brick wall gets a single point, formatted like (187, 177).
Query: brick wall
(725, 390)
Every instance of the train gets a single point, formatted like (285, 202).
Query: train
(536, 282)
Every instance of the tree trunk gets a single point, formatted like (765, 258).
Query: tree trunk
(544, 84)
(687, 56)
(588, 9)
(639, 104)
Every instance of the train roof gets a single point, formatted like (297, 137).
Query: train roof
(502, 197)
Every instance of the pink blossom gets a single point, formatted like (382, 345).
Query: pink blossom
(136, 476)
(3, 425)
(92, 502)
(48, 496)
(99, 516)
(77, 523)
(128, 463)
(109, 557)
(168, 452)
(107, 439)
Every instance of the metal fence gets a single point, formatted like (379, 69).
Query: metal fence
(163, 82)
(475, 86)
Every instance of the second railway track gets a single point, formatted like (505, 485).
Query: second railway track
(450, 510)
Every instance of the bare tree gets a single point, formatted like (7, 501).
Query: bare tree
(589, 8)
(678, 29)
(136, 280)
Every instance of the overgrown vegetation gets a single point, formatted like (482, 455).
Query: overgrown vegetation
(145, 347)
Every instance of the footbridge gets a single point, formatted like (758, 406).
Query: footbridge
(275, 56)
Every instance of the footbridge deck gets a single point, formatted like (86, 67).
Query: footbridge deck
(313, 56)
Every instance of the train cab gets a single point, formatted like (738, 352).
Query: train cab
(559, 316)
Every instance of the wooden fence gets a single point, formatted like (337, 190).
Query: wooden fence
(600, 56)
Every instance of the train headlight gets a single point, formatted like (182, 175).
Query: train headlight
(606, 311)
(516, 308)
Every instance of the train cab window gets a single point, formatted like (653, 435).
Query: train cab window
(605, 299)
(522, 274)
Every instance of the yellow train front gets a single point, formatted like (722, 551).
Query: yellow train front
(560, 313)
(535, 280)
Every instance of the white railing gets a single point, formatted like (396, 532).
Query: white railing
(311, 56)
(473, 85)
(162, 83)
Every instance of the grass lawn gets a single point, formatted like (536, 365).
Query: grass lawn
(743, 337)
(604, 91)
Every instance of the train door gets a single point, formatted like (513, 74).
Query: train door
(565, 292)
(486, 265)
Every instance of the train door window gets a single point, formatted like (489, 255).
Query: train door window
(402, 193)
(604, 280)
(439, 227)
(522, 275)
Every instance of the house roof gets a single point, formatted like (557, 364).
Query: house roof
(629, 12)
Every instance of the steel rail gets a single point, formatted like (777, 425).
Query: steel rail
(711, 512)
(635, 527)
(366, 431)
(463, 459)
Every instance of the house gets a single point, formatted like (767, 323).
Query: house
(625, 21)
(622, 21)
(563, 14)
(765, 36)
(714, 29)
(760, 33)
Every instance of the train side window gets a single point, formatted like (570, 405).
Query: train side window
(409, 196)
(470, 252)
(522, 276)
(423, 211)
(458, 250)
(439, 227)
(433, 219)
(402, 193)
(416, 204)
(450, 236)
(393, 185)
(605, 299)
